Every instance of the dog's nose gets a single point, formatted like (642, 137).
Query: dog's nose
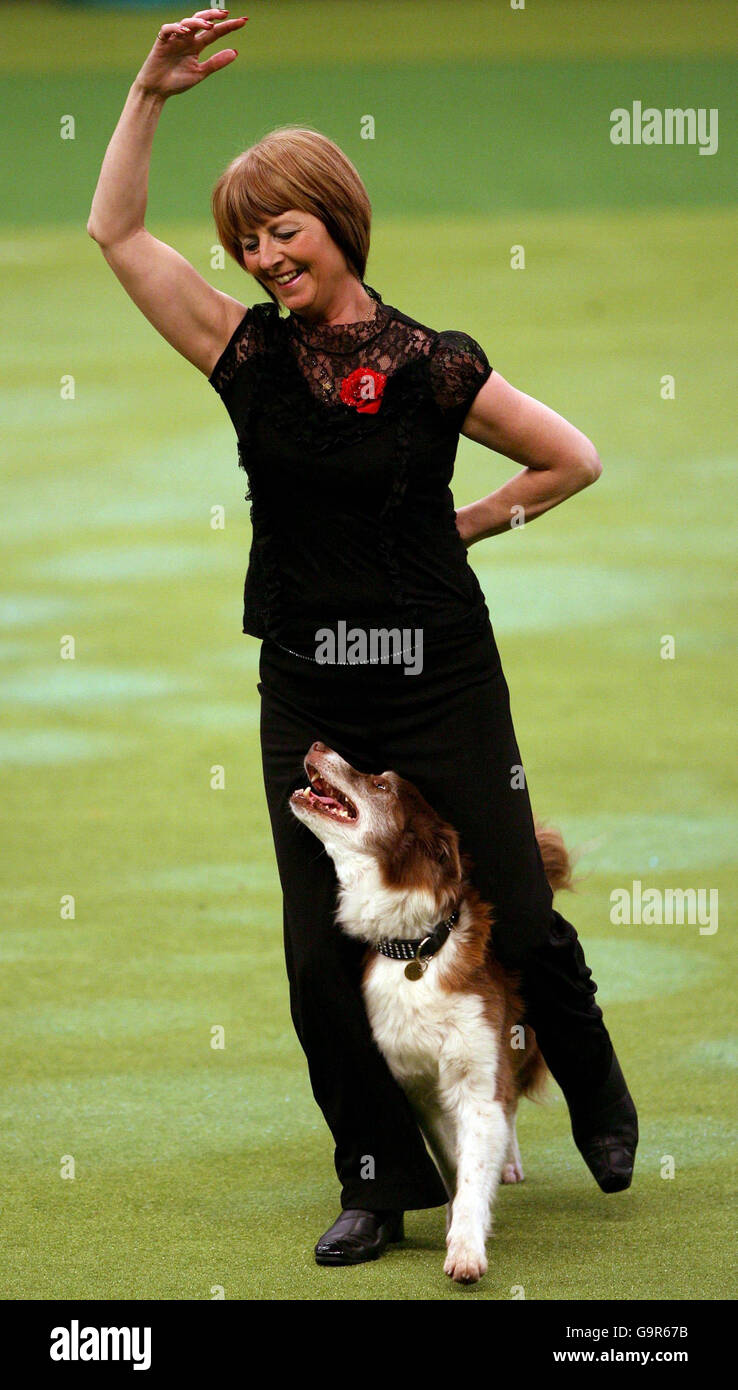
(318, 747)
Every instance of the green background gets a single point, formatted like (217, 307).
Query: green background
(197, 1168)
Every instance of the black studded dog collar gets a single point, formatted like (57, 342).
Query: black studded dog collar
(418, 952)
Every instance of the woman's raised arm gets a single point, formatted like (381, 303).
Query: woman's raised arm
(195, 318)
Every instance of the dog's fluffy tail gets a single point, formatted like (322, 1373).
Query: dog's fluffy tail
(555, 856)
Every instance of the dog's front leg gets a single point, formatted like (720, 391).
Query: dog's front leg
(439, 1131)
(482, 1141)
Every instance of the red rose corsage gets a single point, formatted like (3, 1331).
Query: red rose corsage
(363, 389)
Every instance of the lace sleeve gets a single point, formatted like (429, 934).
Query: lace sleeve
(248, 339)
(458, 370)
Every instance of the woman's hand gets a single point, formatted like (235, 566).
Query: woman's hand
(173, 64)
(465, 525)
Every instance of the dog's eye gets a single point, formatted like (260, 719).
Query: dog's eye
(380, 785)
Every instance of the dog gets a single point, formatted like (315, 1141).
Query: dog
(449, 1022)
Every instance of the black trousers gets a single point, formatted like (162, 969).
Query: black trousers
(449, 730)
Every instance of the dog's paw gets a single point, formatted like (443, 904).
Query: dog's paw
(465, 1263)
(513, 1172)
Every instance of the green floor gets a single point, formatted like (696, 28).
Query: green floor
(197, 1168)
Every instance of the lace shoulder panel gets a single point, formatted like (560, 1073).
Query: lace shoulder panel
(458, 368)
(250, 338)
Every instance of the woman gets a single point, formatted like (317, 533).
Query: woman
(348, 414)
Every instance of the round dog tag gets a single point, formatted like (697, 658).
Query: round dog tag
(414, 970)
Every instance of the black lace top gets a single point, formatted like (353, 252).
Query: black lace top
(348, 435)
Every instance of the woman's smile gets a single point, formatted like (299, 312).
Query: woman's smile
(288, 278)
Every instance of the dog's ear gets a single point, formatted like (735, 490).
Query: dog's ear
(440, 843)
(425, 854)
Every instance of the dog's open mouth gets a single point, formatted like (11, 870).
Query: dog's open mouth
(322, 796)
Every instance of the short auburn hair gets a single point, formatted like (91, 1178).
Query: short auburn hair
(294, 167)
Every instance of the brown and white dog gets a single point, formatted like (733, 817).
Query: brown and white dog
(447, 1024)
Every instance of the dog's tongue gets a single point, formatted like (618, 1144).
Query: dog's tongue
(329, 800)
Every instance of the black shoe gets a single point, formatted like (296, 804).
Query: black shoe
(605, 1131)
(358, 1236)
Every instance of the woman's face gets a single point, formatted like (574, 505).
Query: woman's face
(293, 254)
